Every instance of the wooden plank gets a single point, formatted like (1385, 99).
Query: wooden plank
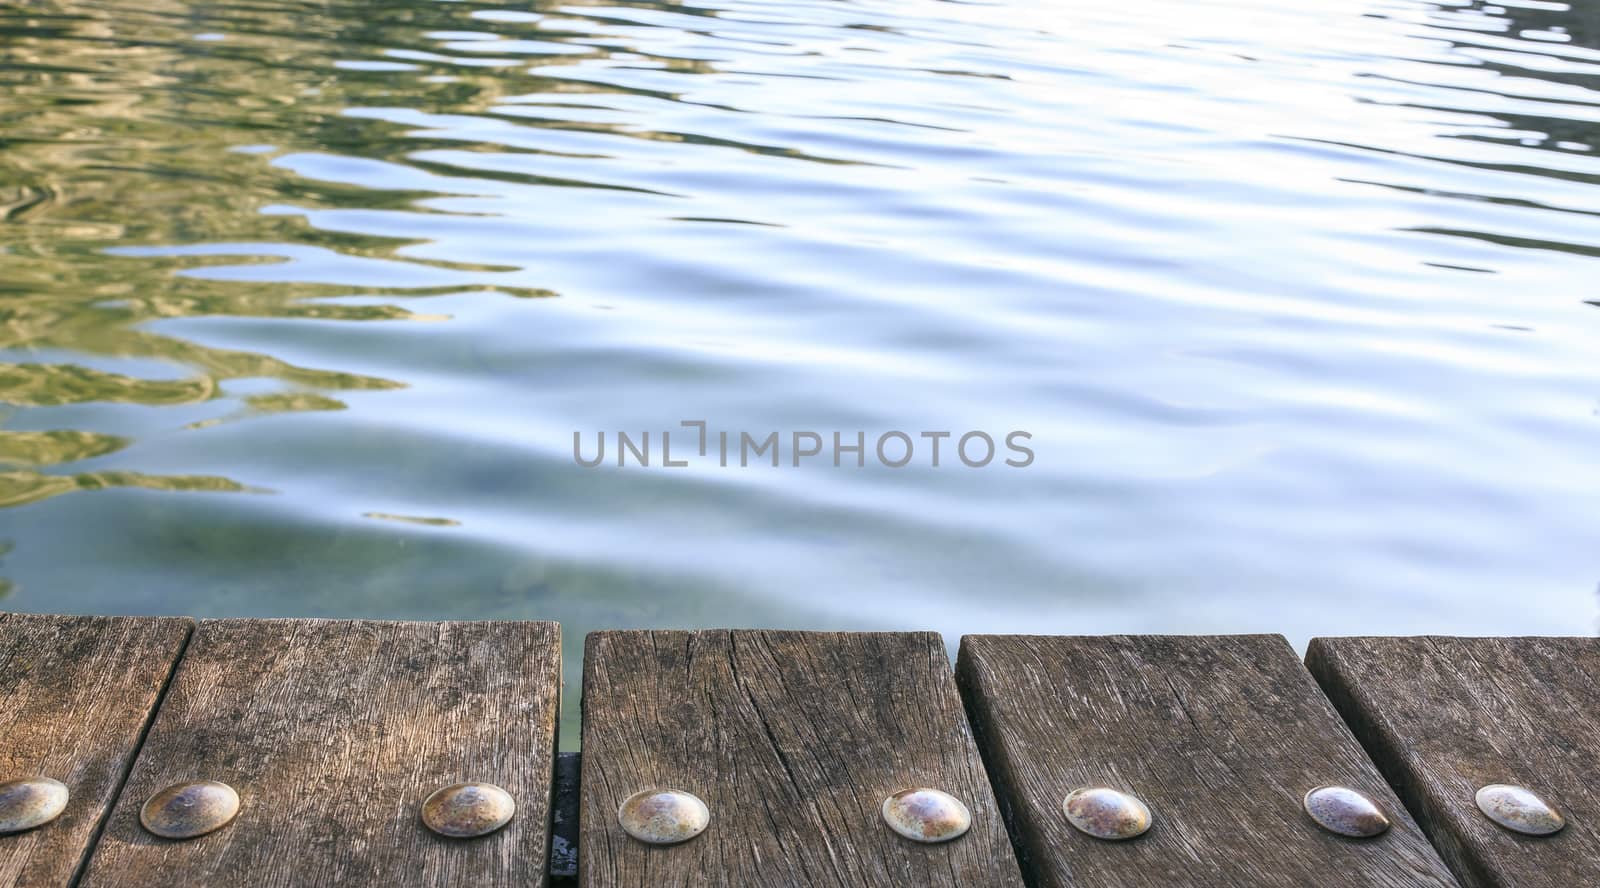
(1445, 716)
(1220, 736)
(793, 740)
(75, 696)
(333, 732)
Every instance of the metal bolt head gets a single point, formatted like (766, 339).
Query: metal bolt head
(30, 802)
(926, 815)
(1346, 812)
(1519, 809)
(1106, 813)
(468, 810)
(663, 816)
(190, 809)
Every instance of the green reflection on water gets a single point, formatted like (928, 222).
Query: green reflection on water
(49, 448)
(21, 488)
(121, 129)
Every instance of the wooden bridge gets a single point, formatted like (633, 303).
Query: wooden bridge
(333, 733)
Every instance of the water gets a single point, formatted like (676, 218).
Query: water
(303, 303)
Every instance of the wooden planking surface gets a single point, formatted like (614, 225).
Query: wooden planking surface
(1221, 736)
(75, 696)
(793, 739)
(333, 732)
(1444, 716)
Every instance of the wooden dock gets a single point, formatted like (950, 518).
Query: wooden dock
(333, 733)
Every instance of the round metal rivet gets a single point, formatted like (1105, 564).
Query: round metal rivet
(466, 810)
(926, 815)
(664, 816)
(1106, 813)
(1519, 809)
(30, 802)
(187, 810)
(1345, 811)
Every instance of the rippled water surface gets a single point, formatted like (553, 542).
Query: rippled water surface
(303, 302)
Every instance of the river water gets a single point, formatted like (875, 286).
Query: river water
(304, 302)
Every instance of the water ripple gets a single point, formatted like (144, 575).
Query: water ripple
(1296, 300)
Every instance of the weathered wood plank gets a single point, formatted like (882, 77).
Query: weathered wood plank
(1445, 716)
(793, 740)
(75, 696)
(333, 732)
(1220, 736)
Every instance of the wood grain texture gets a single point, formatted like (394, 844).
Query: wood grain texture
(333, 732)
(793, 740)
(1221, 736)
(75, 696)
(1445, 716)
